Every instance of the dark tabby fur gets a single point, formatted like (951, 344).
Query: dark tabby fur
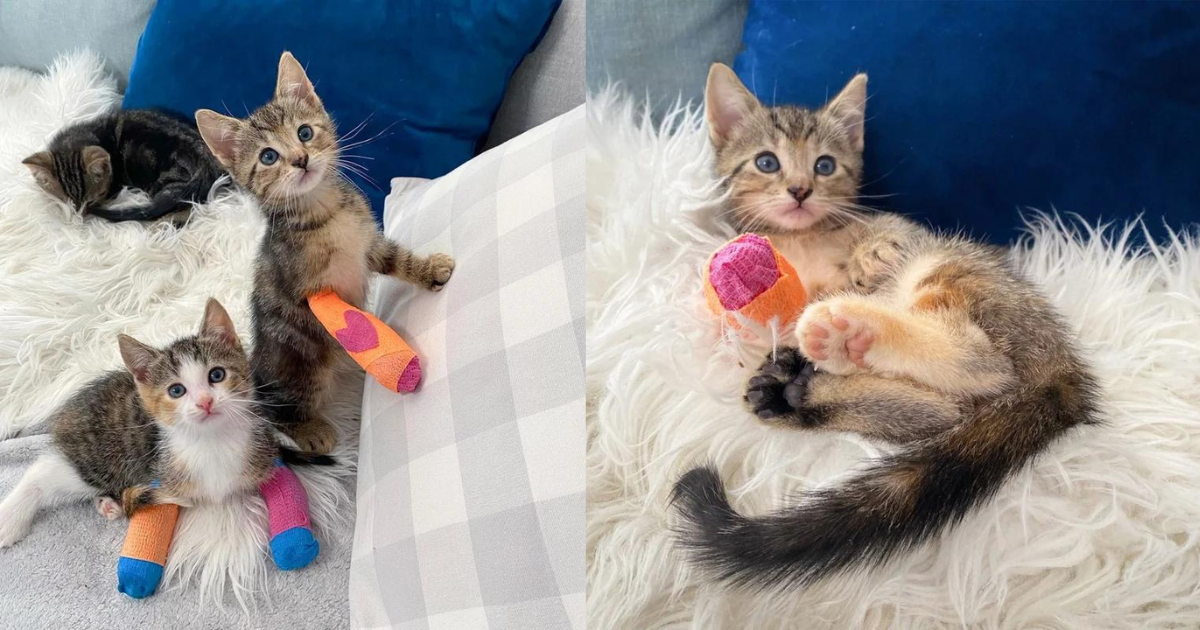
(126, 429)
(87, 165)
(320, 235)
(923, 340)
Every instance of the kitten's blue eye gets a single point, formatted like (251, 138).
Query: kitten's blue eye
(216, 375)
(305, 133)
(824, 165)
(767, 162)
(176, 390)
(268, 157)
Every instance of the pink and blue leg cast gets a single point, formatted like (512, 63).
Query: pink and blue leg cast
(292, 543)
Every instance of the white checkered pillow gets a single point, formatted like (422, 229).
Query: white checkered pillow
(471, 490)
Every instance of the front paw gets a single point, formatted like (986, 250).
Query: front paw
(441, 267)
(872, 263)
(781, 385)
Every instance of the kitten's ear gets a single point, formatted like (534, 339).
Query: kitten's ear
(96, 162)
(726, 102)
(41, 165)
(138, 357)
(218, 325)
(219, 133)
(849, 109)
(293, 82)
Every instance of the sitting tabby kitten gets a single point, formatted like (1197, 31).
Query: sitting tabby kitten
(88, 163)
(321, 235)
(183, 415)
(927, 341)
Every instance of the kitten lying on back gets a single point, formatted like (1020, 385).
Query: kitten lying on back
(183, 415)
(320, 235)
(88, 163)
(927, 341)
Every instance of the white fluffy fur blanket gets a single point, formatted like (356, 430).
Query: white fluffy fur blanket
(1102, 532)
(68, 285)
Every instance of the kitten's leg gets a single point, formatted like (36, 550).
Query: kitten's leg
(432, 272)
(51, 479)
(787, 390)
(313, 434)
(879, 251)
(137, 497)
(940, 350)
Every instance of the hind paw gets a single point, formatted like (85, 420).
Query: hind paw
(781, 386)
(108, 507)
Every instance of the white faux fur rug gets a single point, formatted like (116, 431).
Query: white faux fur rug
(69, 285)
(1102, 532)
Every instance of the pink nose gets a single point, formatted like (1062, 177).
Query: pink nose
(205, 404)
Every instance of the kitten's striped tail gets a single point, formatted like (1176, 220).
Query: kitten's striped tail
(896, 504)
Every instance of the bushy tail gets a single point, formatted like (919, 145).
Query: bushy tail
(896, 504)
(170, 200)
(293, 457)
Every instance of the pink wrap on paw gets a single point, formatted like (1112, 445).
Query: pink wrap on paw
(743, 270)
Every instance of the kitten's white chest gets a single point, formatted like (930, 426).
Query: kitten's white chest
(214, 461)
(820, 260)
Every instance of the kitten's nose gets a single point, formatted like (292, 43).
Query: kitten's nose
(301, 162)
(799, 193)
(205, 403)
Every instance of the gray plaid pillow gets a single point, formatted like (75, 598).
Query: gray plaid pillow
(471, 490)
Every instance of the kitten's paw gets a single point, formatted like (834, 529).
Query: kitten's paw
(836, 338)
(781, 385)
(108, 507)
(872, 262)
(441, 267)
(316, 437)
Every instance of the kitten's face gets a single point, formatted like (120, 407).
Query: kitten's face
(77, 177)
(788, 169)
(195, 382)
(285, 149)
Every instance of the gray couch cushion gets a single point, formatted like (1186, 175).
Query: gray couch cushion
(661, 48)
(34, 32)
(550, 80)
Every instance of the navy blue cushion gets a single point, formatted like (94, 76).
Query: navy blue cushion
(429, 74)
(978, 109)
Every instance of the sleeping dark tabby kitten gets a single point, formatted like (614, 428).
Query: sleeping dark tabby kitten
(320, 235)
(87, 165)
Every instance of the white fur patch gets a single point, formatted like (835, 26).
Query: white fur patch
(1094, 535)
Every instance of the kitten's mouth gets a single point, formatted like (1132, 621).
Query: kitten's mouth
(794, 215)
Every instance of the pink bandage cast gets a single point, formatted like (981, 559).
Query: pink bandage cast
(293, 545)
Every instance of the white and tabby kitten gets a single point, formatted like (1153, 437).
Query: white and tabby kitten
(182, 415)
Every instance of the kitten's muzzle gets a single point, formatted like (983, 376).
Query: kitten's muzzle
(301, 162)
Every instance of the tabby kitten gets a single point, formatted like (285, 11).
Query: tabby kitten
(87, 165)
(321, 235)
(927, 341)
(182, 415)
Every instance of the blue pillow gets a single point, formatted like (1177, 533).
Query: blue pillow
(978, 109)
(426, 76)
